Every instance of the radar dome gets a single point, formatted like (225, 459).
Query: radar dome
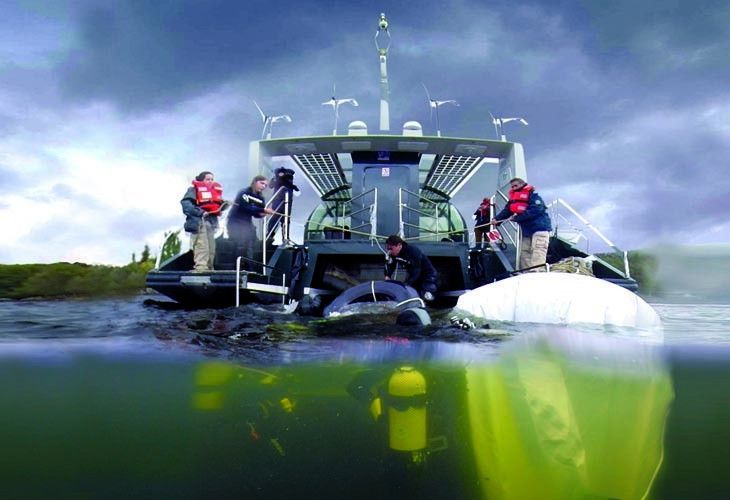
(358, 127)
(412, 128)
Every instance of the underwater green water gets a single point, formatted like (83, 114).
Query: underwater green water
(563, 416)
(120, 399)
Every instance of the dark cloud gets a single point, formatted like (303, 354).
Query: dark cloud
(614, 91)
(142, 54)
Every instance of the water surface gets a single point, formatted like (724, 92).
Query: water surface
(113, 398)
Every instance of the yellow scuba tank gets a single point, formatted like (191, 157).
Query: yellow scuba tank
(407, 410)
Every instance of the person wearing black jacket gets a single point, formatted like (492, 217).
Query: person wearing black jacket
(421, 274)
(249, 203)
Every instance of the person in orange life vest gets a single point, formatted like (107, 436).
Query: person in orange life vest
(481, 221)
(527, 209)
(201, 205)
(249, 203)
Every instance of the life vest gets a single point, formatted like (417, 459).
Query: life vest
(483, 210)
(209, 197)
(519, 198)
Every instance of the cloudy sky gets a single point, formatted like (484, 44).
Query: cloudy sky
(109, 108)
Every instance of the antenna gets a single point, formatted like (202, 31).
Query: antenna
(499, 123)
(434, 104)
(268, 121)
(335, 103)
(384, 36)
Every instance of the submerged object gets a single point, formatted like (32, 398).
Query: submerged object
(559, 298)
(407, 410)
(566, 414)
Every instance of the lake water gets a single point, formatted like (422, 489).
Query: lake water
(131, 398)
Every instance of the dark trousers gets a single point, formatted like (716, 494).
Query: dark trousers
(480, 232)
(243, 234)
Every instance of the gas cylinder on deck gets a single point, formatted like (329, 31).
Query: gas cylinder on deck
(407, 410)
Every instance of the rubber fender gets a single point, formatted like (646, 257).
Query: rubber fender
(384, 290)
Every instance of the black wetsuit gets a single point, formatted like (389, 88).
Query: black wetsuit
(421, 274)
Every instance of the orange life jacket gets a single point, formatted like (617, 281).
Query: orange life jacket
(209, 197)
(519, 198)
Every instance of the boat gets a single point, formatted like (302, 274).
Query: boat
(371, 185)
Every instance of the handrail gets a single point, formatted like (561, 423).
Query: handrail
(284, 223)
(436, 204)
(584, 221)
(238, 281)
(349, 230)
(374, 214)
(559, 201)
(341, 219)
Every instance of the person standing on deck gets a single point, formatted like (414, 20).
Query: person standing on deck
(249, 203)
(284, 188)
(481, 221)
(421, 274)
(201, 205)
(526, 208)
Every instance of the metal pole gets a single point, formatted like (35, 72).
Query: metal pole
(382, 33)
(285, 224)
(401, 230)
(238, 281)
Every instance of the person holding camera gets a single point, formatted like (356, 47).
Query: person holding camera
(283, 185)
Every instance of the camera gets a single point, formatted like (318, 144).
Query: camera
(283, 177)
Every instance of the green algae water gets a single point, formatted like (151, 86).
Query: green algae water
(196, 405)
(543, 419)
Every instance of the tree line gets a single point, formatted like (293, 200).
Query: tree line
(65, 279)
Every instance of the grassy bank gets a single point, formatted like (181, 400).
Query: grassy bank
(63, 279)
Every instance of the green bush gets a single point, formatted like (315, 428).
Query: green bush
(63, 279)
(642, 267)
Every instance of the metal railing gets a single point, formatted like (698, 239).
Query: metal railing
(556, 216)
(283, 222)
(516, 240)
(372, 219)
(435, 210)
(337, 217)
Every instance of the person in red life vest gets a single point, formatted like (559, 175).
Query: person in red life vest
(481, 221)
(249, 203)
(201, 205)
(526, 208)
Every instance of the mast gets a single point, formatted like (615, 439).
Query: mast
(383, 36)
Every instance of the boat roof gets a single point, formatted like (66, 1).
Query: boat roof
(446, 163)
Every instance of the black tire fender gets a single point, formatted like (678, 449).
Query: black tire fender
(384, 290)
